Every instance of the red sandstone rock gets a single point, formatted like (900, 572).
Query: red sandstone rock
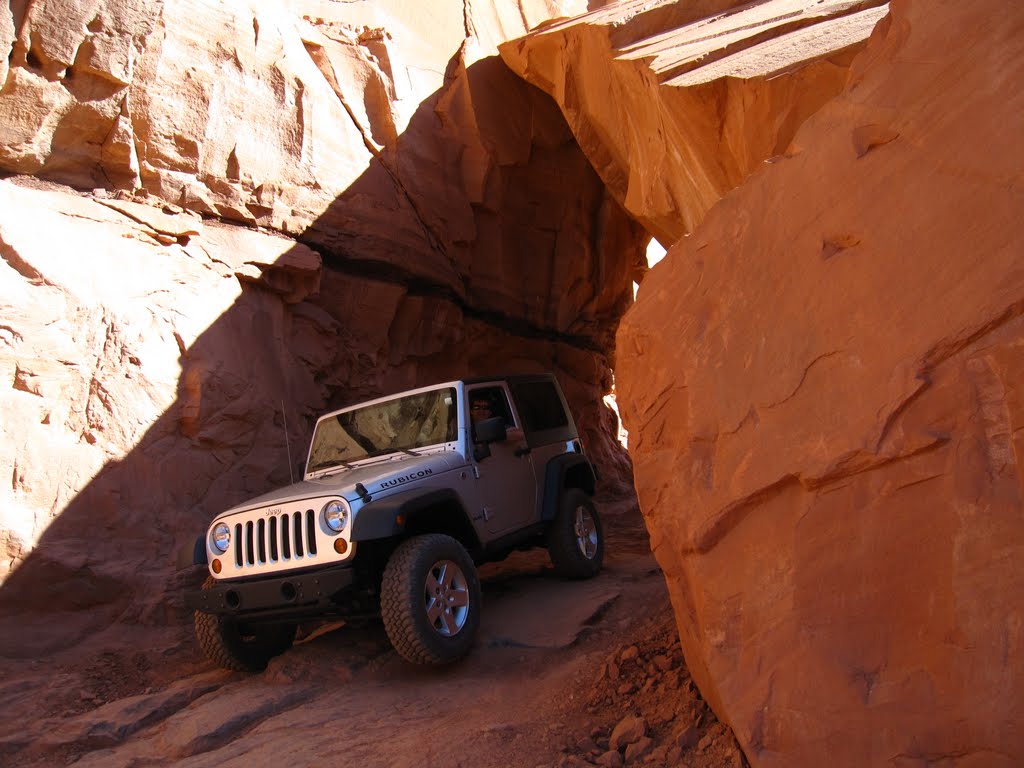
(417, 155)
(258, 113)
(676, 103)
(6, 39)
(822, 390)
(628, 731)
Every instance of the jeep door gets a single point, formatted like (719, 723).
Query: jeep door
(507, 484)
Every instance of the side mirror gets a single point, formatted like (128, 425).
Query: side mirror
(486, 432)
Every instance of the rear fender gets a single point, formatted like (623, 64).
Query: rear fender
(569, 470)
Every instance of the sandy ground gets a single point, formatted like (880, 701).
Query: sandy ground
(563, 674)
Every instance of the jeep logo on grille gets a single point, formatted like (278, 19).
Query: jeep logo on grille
(272, 512)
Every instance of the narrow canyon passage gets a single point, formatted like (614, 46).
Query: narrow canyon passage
(220, 219)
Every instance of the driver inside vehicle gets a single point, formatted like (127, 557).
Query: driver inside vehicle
(480, 408)
(491, 403)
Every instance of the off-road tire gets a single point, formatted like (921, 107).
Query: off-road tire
(238, 646)
(423, 624)
(575, 539)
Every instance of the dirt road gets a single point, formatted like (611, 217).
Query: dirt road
(564, 674)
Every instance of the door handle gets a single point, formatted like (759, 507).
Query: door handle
(522, 451)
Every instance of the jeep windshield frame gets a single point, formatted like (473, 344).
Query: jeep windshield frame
(407, 423)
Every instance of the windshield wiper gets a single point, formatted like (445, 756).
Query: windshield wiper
(330, 465)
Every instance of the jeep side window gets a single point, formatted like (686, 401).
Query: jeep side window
(540, 407)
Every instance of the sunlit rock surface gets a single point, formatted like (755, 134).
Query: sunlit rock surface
(385, 132)
(822, 386)
(256, 112)
(676, 103)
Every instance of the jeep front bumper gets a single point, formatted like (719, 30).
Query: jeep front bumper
(297, 595)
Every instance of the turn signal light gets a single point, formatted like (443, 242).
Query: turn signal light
(340, 546)
(215, 565)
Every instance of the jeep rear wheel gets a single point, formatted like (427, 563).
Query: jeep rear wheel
(430, 600)
(240, 646)
(576, 537)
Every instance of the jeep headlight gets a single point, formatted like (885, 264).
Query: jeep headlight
(220, 537)
(336, 515)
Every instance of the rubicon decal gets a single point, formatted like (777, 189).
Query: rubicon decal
(406, 478)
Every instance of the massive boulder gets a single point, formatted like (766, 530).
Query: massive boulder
(822, 386)
(270, 212)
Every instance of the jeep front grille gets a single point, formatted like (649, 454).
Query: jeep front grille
(274, 539)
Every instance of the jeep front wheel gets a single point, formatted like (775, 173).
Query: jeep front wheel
(576, 538)
(430, 600)
(238, 645)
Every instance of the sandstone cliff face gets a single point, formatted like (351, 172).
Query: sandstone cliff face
(822, 389)
(256, 113)
(434, 218)
(344, 125)
(105, 304)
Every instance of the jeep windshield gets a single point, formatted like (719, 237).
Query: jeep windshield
(403, 424)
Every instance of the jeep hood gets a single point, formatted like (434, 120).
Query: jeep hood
(379, 477)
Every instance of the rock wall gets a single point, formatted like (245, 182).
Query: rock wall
(283, 215)
(820, 381)
(349, 126)
(256, 113)
(822, 386)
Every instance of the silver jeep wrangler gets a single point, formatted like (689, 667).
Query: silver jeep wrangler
(402, 498)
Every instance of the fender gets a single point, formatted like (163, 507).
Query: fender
(390, 516)
(194, 554)
(558, 469)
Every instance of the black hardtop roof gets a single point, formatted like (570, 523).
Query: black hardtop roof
(511, 378)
